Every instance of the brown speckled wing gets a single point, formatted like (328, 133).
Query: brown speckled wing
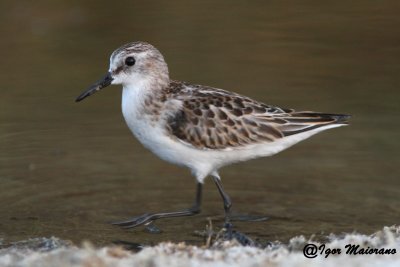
(217, 119)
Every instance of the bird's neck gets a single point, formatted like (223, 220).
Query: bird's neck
(140, 97)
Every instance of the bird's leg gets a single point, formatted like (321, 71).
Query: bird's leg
(227, 202)
(149, 217)
(230, 233)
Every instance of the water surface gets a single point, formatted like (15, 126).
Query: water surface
(67, 169)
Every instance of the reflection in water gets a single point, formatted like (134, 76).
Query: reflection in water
(67, 169)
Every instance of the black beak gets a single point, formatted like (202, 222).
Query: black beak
(104, 82)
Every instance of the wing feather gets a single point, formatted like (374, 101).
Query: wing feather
(212, 118)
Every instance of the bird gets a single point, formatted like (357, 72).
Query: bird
(199, 127)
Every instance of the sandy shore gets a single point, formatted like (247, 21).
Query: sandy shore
(380, 249)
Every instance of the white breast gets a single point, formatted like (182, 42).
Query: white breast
(138, 122)
(154, 137)
(150, 133)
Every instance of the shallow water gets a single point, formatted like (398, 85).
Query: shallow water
(67, 169)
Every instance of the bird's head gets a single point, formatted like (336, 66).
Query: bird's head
(133, 64)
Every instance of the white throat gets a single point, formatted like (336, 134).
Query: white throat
(133, 98)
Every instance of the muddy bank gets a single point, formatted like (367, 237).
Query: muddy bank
(379, 249)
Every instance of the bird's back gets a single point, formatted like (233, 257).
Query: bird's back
(216, 119)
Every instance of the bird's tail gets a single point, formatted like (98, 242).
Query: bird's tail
(322, 117)
(303, 121)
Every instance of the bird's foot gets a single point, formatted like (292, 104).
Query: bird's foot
(248, 218)
(148, 218)
(145, 219)
(229, 234)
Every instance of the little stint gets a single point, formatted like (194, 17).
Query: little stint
(199, 127)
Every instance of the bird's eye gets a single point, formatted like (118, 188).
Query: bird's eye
(130, 61)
